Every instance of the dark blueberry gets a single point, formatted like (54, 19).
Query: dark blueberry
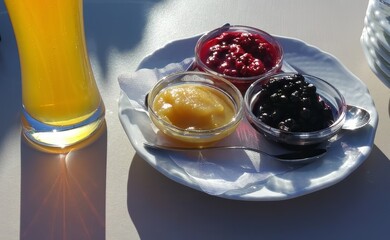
(265, 118)
(282, 126)
(306, 102)
(283, 99)
(264, 94)
(311, 89)
(321, 104)
(287, 87)
(299, 77)
(289, 122)
(305, 113)
(298, 83)
(262, 109)
(274, 98)
(294, 97)
(276, 115)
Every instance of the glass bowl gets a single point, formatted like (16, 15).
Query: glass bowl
(195, 108)
(331, 99)
(240, 54)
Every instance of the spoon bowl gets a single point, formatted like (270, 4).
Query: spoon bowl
(356, 118)
(303, 156)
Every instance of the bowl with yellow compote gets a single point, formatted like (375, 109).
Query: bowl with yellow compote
(195, 108)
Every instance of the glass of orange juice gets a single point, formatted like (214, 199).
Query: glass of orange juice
(61, 101)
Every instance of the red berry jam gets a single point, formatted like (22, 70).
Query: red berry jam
(239, 54)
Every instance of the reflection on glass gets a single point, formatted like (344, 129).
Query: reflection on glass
(375, 38)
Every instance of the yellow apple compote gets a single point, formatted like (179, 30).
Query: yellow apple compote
(195, 108)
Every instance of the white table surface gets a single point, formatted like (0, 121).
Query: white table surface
(109, 192)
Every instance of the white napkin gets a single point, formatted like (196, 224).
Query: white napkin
(136, 85)
(214, 172)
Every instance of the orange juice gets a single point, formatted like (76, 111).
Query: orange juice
(58, 86)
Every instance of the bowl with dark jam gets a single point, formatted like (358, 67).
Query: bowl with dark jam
(295, 109)
(240, 54)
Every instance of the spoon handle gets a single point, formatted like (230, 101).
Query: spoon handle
(158, 146)
(303, 156)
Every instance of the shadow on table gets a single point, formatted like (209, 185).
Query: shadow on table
(356, 208)
(10, 84)
(63, 195)
(114, 25)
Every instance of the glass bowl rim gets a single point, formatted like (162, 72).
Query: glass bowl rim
(201, 133)
(333, 128)
(236, 28)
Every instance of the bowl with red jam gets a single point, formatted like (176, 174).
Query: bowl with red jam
(195, 108)
(295, 109)
(240, 54)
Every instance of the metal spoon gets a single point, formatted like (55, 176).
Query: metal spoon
(297, 157)
(356, 118)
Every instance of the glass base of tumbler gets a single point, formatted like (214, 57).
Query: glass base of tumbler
(61, 136)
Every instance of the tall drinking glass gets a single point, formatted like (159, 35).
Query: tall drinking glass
(61, 102)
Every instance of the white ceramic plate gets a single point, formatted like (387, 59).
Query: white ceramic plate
(236, 175)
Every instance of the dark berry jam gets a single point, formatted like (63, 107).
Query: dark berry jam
(239, 54)
(290, 103)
